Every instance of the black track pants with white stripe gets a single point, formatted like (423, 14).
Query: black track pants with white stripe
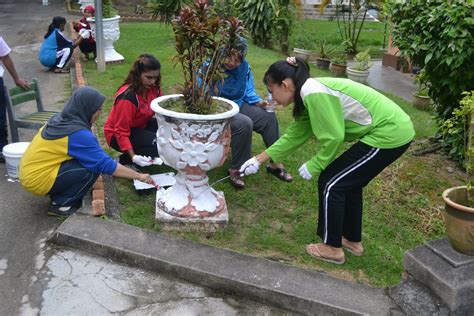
(340, 190)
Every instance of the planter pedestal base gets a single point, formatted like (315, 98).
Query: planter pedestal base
(446, 272)
(213, 223)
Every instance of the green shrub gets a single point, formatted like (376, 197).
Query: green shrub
(438, 35)
(455, 130)
(258, 17)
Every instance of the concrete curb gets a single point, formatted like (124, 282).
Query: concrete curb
(303, 291)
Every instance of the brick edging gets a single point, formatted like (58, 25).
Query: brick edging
(98, 193)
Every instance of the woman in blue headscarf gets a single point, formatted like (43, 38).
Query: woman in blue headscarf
(64, 159)
(238, 86)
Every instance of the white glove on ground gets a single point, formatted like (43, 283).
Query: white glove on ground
(84, 33)
(304, 172)
(142, 161)
(250, 166)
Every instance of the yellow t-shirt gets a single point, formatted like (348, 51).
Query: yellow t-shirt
(40, 164)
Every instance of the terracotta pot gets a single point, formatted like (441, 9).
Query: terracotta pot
(357, 75)
(192, 144)
(323, 63)
(459, 219)
(301, 53)
(421, 102)
(338, 70)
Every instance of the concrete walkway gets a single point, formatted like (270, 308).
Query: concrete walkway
(391, 81)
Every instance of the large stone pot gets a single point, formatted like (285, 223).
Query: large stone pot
(111, 34)
(421, 102)
(357, 75)
(459, 219)
(192, 144)
(338, 70)
(301, 53)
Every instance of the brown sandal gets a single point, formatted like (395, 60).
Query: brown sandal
(61, 71)
(346, 244)
(235, 179)
(313, 251)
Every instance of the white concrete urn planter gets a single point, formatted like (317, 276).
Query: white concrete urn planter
(111, 34)
(357, 75)
(192, 144)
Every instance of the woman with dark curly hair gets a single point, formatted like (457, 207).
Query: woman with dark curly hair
(131, 126)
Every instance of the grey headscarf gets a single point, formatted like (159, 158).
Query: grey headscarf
(76, 115)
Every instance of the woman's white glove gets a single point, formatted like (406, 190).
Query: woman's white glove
(250, 166)
(84, 33)
(142, 161)
(304, 172)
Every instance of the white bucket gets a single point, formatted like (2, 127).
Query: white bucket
(13, 153)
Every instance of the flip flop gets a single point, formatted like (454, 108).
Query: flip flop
(280, 173)
(349, 248)
(311, 248)
(61, 71)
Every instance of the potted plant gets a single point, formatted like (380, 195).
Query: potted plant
(421, 100)
(111, 31)
(359, 71)
(194, 127)
(339, 65)
(323, 60)
(302, 46)
(459, 201)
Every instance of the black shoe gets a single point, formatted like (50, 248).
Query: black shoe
(2, 159)
(60, 210)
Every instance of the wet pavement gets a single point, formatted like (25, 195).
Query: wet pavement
(70, 282)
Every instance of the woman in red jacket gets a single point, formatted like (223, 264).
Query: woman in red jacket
(88, 45)
(131, 126)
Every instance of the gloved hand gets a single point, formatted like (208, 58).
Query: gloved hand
(304, 172)
(250, 166)
(142, 161)
(84, 33)
(157, 161)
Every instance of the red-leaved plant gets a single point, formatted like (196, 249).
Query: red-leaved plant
(203, 40)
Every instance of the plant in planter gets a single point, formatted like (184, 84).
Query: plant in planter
(194, 130)
(302, 47)
(459, 201)
(339, 65)
(360, 70)
(324, 54)
(421, 100)
(111, 31)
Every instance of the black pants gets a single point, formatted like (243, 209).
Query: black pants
(143, 140)
(72, 183)
(340, 190)
(251, 118)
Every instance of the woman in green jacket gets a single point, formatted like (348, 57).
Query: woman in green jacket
(335, 111)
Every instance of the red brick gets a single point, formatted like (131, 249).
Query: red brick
(97, 195)
(98, 207)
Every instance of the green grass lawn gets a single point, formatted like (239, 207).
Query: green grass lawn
(274, 219)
